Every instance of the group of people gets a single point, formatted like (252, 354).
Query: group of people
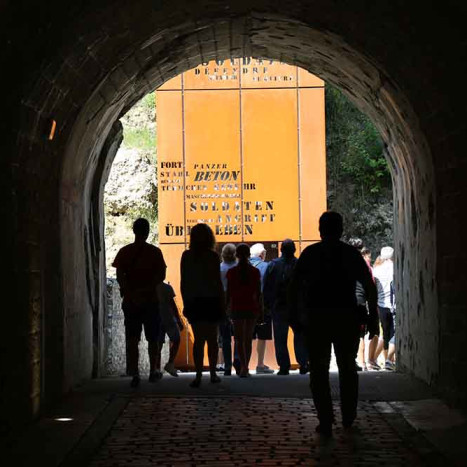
(272, 313)
(328, 296)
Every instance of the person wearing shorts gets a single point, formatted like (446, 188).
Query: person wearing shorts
(262, 331)
(140, 268)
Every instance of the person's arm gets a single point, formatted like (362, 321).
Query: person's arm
(269, 286)
(161, 267)
(218, 280)
(228, 294)
(183, 279)
(122, 281)
(294, 288)
(176, 314)
(260, 298)
(121, 276)
(371, 296)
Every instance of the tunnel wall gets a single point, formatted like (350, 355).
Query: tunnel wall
(84, 64)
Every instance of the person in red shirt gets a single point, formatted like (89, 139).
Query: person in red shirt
(245, 303)
(140, 268)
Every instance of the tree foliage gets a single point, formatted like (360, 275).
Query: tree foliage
(358, 178)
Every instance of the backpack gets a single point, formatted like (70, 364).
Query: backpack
(284, 274)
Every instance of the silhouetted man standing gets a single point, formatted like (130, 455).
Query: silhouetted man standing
(276, 283)
(323, 288)
(140, 268)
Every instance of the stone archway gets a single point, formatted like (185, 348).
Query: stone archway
(111, 57)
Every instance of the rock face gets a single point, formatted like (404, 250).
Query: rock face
(132, 182)
(131, 189)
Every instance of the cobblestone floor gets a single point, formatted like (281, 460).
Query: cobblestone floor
(236, 430)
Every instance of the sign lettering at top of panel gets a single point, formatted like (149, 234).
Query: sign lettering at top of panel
(231, 130)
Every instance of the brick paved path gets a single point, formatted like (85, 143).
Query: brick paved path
(181, 431)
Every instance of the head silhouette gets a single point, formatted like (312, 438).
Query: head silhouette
(356, 243)
(141, 228)
(228, 253)
(366, 253)
(288, 248)
(331, 225)
(242, 252)
(202, 238)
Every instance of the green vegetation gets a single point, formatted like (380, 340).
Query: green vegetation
(140, 138)
(359, 182)
(139, 129)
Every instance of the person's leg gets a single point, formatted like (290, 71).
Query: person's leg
(372, 352)
(389, 364)
(264, 333)
(319, 345)
(236, 360)
(239, 333)
(226, 338)
(199, 339)
(361, 353)
(133, 328)
(281, 332)
(173, 332)
(152, 328)
(345, 343)
(133, 355)
(174, 346)
(213, 349)
(386, 321)
(160, 344)
(248, 328)
(379, 348)
(261, 350)
(153, 353)
(301, 351)
(158, 352)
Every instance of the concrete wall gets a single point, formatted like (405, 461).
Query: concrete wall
(83, 64)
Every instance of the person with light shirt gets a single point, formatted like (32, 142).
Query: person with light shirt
(384, 276)
(262, 331)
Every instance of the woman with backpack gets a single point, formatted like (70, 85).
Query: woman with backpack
(245, 305)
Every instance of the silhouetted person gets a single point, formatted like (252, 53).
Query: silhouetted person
(244, 300)
(384, 275)
(225, 328)
(276, 283)
(203, 297)
(362, 305)
(140, 268)
(171, 324)
(323, 287)
(262, 331)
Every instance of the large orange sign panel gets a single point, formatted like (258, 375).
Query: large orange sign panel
(241, 147)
